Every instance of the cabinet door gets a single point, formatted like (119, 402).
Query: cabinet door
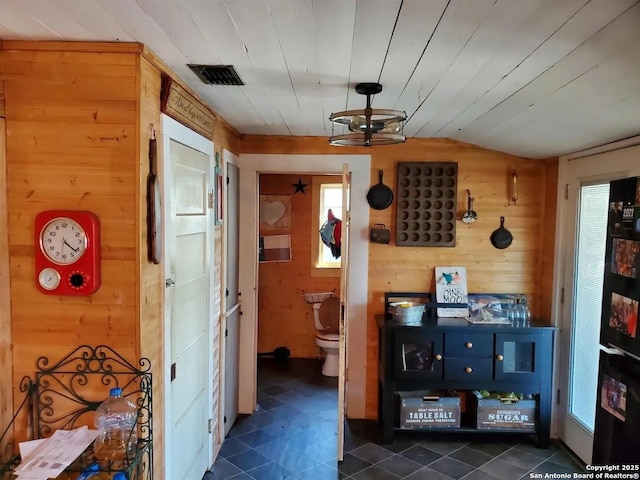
(418, 355)
(519, 356)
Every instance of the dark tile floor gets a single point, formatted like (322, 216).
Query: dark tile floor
(293, 435)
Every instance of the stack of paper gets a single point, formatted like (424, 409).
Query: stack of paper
(48, 457)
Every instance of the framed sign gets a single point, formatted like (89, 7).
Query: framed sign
(180, 105)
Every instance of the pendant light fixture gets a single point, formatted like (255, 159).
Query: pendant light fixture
(368, 127)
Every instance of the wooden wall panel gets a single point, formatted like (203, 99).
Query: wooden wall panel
(487, 174)
(151, 284)
(2, 99)
(79, 122)
(547, 249)
(6, 398)
(284, 318)
(78, 159)
(225, 136)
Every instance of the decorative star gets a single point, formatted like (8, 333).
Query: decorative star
(299, 186)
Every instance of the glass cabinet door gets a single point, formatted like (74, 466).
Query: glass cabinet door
(418, 356)
(517, 355)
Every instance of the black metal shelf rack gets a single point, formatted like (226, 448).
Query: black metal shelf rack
(63, 396)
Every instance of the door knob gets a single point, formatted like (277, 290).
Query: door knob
(468, 344)
(438, 357)
(500, 357)
(468, 369)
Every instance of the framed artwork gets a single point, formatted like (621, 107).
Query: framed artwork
(613, 397)
(219, 200)
(274, 248)
(275, 212)
(624, 314)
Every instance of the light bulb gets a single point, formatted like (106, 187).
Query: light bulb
(390, 127)
(357, 124)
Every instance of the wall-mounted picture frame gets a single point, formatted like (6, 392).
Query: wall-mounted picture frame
(219, 198)
(274, 248)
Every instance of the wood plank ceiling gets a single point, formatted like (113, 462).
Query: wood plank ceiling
(535, 78)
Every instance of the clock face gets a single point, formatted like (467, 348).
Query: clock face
(63, 241)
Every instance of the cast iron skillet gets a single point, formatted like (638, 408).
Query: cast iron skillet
(380, 196)
(501, 238)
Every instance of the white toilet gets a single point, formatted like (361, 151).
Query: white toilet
(326, 315)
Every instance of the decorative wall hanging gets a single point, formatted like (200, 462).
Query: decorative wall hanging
(275, 212)
(183, 107)
(470, 215)
(299, 186)
(274, 248)
(380, 196)
(219, 203)
(426, 205)
(331, 234)
(67, 250)
(154, 207)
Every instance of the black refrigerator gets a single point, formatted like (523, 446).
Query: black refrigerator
(617, 423)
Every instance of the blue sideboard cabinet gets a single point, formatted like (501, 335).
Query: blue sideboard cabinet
(452, 354)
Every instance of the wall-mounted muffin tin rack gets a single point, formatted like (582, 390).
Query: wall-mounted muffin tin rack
(426, 204)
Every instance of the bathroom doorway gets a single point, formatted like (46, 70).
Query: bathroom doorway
(251, 167)
(299, 293)
(293, 261)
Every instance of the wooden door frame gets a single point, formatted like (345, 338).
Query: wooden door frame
(620, 158)
(172, 130)
(228, 158)
(251, 165)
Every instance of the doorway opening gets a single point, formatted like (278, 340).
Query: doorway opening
(299, 278)
(298, 274)
(583, 192)
(251, 167)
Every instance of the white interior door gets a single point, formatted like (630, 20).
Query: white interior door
(344, 302)
(583, 214)
(587, 264)
(189, 253)
(232, 304)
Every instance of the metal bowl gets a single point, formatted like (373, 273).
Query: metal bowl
(406, 312)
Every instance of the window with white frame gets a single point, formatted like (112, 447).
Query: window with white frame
(330, 199)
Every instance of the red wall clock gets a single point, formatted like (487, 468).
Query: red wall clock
(67, 252)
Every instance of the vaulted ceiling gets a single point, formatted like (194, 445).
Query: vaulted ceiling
(535, 78)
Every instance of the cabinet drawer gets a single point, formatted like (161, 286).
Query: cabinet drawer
(468, 345)
(456, 368)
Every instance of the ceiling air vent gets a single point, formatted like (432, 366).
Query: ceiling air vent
(217, 74)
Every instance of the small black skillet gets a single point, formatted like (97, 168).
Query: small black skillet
(501, 237)
(380, 195)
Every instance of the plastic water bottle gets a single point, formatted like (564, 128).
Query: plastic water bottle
(93, 472)
(116, 421)
(98, 475)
